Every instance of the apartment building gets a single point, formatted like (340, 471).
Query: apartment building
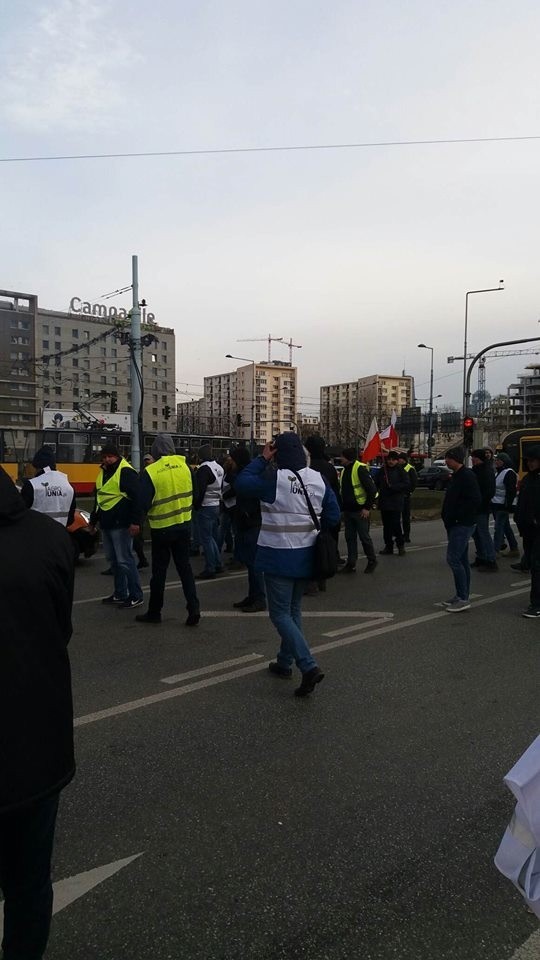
(191, 417)
(258, 396)
(59, 359)
(347, 409)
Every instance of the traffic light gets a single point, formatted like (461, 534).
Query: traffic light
(166, 412)
(468, 432)
(114, 401)
(238, 419)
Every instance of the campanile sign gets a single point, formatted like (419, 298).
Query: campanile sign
(76, 305)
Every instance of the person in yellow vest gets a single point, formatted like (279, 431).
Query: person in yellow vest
(167, 500)
(358, 497)
(117, 510)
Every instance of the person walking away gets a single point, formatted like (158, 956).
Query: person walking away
(207, 501)
(460, 508)
(247, 524)
(50, 491)
(167, 500)
(485, 551)
(393, 484)
(412, 476)
(36, 713)
(285, 548)
(226, 518)
(319, 461)
(117, 511)
(358, 496)
(527, 517)
(502, 505)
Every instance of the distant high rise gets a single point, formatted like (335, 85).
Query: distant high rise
(347, 409)
(232, 398)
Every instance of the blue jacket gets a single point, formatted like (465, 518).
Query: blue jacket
(259, 480)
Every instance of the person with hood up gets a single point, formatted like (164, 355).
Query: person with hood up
(482, 468)
(207, 502)
(36, 713)
(167, 500)
(502, 504)
(247, 524)
(527, 517)
(285, 545)
(118, 512)
(393, 485)
(50, 491)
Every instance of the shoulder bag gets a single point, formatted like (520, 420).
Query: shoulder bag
(325, 561)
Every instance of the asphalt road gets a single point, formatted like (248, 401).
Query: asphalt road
(359, 823)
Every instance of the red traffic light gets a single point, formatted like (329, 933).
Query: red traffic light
(468, 422)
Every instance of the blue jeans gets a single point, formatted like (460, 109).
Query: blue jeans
(502, 530)
(226, 531)
(208, 523)
(482, 539)
(118, 546)
(284, 595)
(26, 842)
(256, 590)
(457, 558)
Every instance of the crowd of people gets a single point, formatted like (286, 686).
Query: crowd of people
(269, 510)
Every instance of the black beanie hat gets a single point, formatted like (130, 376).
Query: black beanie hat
(456, 453)
(480, 454)
(45, 457)
(110, 450)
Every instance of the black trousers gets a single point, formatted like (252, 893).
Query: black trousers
(531, 547)
(172, 542)
(391, 520)
(406, 517)
(26, 841)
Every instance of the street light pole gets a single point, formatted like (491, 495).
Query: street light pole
(467, 295)
(424, 346)
(230, 356)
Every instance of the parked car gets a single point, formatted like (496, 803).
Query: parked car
(434, 478)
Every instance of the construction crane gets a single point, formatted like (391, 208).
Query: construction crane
(290, 345)
(482, 368)
(268, 339)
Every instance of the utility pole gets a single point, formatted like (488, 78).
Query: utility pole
(136, 369)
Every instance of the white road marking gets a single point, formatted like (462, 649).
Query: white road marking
(530, 950)
(174, 583)
(212, 668)
(356, 626)
(521, 583)
(330, 614)
(131, 705)
(68, 890)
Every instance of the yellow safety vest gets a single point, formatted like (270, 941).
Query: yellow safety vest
(109, 493)
(173, 497)
(360, 494)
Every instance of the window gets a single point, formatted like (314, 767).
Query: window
(75, 362)
(153, 357)
(45, 328)
(74, 334)
(154, 411)
(86, 334)
(58, 391)
(57, 345)
(103, 351)
(57, 331)
(114, 352)
(86, 364)
(24, 341)
(75, 391)
(154, 425)
(46, 391)
(45, 344)
(103, 379)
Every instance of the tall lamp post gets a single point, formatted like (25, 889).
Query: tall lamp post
(467, 295)
(230, 356)
(424, 346)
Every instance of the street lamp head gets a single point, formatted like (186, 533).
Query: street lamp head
(425, 346)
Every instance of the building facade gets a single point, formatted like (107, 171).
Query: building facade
(347, 409)
(191, 416)
(67, 360)
(524, 398)
(258, 397)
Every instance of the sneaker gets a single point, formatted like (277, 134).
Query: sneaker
(309, 682)
(370, 566)
(531, 613)
(241, 603)
(512, 553)
(193, 619)
(401, 551)
(256, 607)
(348, 568)
(130, 604)
(113, 599)
(205, 575)
(519, 568)
(341, 562)
(107, 573)
(142, 564)
(448, 603)
(458, 605)
(488, 566)
(148, 617)
(279, 671)
(478, 563)
(386, 552)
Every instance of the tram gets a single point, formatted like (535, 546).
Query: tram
(517, 443)
(78, 451)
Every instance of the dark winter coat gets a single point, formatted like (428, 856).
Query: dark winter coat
(486, 481)
(36, 593)
(462, 500)
(393, 485)
(527, 512)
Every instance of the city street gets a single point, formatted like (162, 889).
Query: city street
(215, 816)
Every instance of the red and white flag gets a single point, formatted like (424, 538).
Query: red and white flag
(389, 438)
(372, 447)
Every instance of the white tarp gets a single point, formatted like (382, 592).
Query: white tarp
(57, 419)
(518, 857)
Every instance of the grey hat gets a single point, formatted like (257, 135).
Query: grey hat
(162, 446)
(504, 458)
(204, 452)
(456, 453)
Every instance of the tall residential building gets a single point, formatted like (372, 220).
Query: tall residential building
(347, 409)
(53, 359)
(259, 394)
(524, 398)
(191, 416)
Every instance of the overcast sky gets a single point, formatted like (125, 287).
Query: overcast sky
(357, 254)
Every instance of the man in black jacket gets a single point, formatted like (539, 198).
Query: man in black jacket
(412, 477)
(485, 550)
(527, 517)
(358, 498)
(462, 502)
(393, 485)
(36, 714)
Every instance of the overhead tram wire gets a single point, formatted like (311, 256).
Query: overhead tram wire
(284, 148)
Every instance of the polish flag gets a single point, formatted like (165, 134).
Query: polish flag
(389, 438)
(372, 448)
